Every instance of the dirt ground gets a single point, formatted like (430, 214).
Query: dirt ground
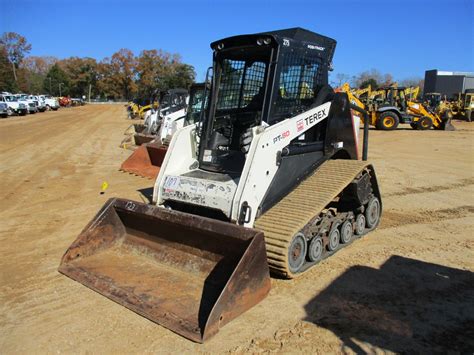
(407, 287)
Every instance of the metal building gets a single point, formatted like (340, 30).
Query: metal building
(447, 83)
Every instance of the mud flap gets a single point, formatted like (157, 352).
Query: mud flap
(188, 273)
(146, 160)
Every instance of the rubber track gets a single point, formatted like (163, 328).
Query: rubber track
(308, 199)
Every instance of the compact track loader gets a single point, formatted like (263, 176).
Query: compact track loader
(171, 105)
(269, 179)
(146, 159)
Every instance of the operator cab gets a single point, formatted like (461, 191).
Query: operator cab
(197, 103)
(172, 100)
(260, 80)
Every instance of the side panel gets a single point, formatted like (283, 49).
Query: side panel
(169, 121)
(293, 169)
(261, 164)
(340, 128)
(340, 140)
(180, 157)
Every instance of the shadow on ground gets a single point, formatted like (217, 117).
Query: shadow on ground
(405, 306)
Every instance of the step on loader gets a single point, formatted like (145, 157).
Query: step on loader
(146, 159)
(269, 179)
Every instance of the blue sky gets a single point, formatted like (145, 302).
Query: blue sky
(403, 38)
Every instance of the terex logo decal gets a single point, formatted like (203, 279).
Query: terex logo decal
(315, 116)
(299, 125)
(281, 136)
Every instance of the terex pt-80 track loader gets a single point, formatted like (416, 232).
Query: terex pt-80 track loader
(269, 178)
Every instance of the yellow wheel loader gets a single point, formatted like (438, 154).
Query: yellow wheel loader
(396, 109)
(264, 182)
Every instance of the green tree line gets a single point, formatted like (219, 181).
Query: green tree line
(123, 75)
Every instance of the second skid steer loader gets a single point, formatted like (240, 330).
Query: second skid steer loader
(146, 160)
(172, 105)
(269, 179)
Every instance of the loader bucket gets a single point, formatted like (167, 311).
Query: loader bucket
(188, 273)
(134, 128)
(146, 160)
(446, 124)
(132, 141)
(141, 138)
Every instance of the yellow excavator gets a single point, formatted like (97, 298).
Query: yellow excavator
(363, 94)
(132, 109)
(412, 92)
(137, 108)
(376, 96)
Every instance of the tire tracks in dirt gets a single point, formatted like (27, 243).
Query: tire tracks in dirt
(421, 190)
(393, 219)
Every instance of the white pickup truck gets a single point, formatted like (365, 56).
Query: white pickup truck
(3, 110)
(39, 102)
(13, 105)
(50, 102)
(30, 104)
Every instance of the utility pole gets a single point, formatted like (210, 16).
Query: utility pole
(50, 91)
(60, 89)
(90, 88)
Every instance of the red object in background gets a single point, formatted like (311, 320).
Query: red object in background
(64, 101)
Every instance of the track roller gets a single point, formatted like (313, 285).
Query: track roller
(360, 224)
(297, 252)
(372, 212)
(334, 237)
(346, 232)
(315, 251)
